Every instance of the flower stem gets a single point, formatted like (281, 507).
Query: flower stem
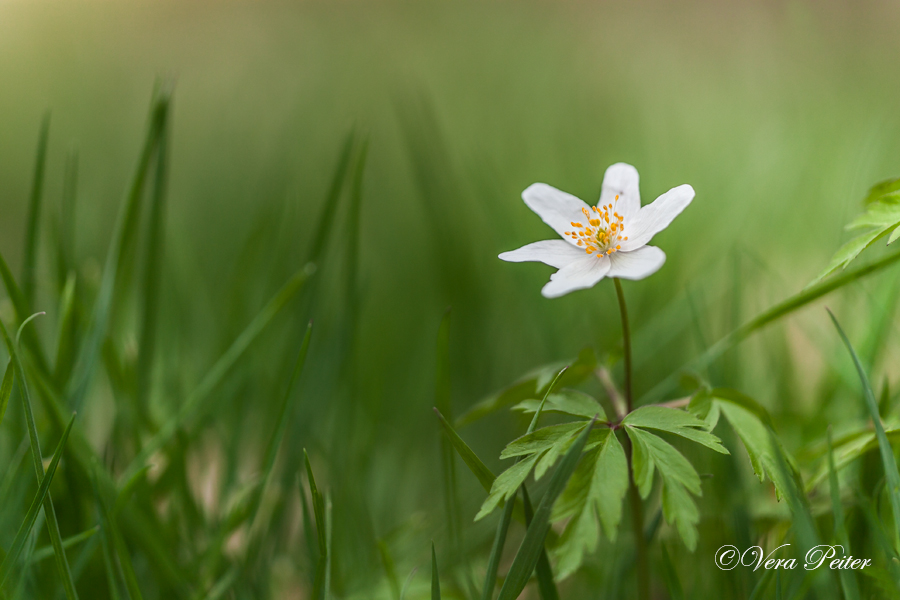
(626, 336)
(637, 507)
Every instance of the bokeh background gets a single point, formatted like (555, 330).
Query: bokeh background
(780, 114)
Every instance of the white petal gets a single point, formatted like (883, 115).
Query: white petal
(637, 264)
(555, 253)
(621, 179)
(577, 275)
(556, 208)
(656, 216)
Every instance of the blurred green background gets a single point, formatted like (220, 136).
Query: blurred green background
(780, 114)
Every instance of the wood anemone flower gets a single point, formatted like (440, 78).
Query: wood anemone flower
(607, 240)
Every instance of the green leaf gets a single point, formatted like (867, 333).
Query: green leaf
(891, 475)
(506, 484)
(533, 385)
(678, 476)
(850, 250)
(677, 422)
(569, 402)
(36, 504)
(443, 404)
(479, 469)
(47, 551)
(533, 545)
(597, 487)
(881, 189)
(111, 530)
(542, 439)
(435, 577)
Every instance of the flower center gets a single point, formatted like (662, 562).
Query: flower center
(603, 230)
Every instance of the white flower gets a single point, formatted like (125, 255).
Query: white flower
(607, 240)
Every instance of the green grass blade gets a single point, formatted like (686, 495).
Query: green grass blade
(36, 504)
(443, 406)
(673, 585)
(390, 569)
(476, 465)
(891, 475)
(280, 426)
(319, 583)
(327, 217)
(197, 399)
(778, 311)
(153, 257)
(62, 564)
(47, 551)
(435, 576)
(32, 230)
(533, 544)
(6, 389)
(848, 581)
(542, 569)
(406, 583)
(65, 255)
(118, 543)
(119, 254)
(65, 344)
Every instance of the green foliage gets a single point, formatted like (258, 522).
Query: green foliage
(592, 498)
(880, 219)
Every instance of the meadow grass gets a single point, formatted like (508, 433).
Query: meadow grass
(246, 308)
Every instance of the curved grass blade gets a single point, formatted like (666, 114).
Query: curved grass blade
(20, 306)
(65, 346)
(115, 536)
(36, 503)
(196, 401)
(778, 311)
(406, 583)
(848, 581)
(62, 564)
(65, 252)
(533, 545)
(891, 475)
(32, 231)
(435, 576)
(542, 570)
(338, 180)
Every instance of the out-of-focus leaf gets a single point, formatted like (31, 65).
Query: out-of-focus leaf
(533, 385)
(597, 487)
(882, 188)
(677, 422)
(32, 230)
